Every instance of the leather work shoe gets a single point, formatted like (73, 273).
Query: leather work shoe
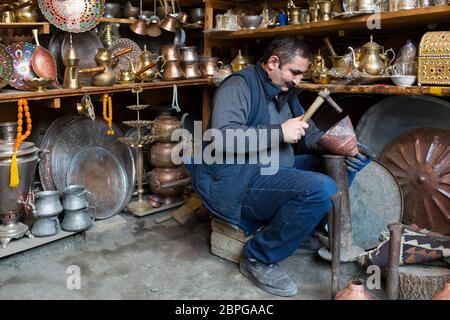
(270, 278)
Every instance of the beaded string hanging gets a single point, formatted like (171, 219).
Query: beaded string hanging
(22, 105)
(108, 113)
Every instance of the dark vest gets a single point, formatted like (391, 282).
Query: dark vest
(222, 186)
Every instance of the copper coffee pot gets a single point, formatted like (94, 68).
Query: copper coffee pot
(170, 53)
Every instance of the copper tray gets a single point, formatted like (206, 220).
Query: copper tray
(74, 16)
(69, 141)
(392, 116)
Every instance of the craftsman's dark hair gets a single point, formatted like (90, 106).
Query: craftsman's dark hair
(286, 49)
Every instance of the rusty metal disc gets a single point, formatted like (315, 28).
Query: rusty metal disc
(395, 115)
(73, 15)
(420, 159)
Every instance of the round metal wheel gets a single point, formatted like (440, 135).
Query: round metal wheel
(420, 160)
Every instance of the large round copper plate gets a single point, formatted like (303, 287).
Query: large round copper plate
(68, 138)
(420, 159)
(395, 115)
(73, 15)
(101, 173)
(375, 201)
(21, 54)
(54, 46)
(6, 64)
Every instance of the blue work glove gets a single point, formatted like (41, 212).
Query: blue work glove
(358, 162)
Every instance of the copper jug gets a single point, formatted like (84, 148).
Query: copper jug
(355, 290)
(191, 70)
(170, 53)
(210, 66)
(172, 71)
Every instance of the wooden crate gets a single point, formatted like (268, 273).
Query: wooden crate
(227, 240)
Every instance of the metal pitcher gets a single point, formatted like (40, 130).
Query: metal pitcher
(48, 204)
(170, 53)
(189, 54)
(191, 70)
(46, 227)
(75, 197)
(78, 220)
(172, 71)
(210, 66)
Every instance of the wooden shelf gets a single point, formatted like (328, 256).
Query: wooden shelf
(44, 27)
(378, 89)
(117, 20)
(14, 95)
(390, 20)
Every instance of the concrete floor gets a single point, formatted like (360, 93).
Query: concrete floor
(140, 259)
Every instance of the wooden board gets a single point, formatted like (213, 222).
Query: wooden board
(23, 244)
(187, 211)
(155, 210)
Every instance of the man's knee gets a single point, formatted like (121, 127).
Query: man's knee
(325, 189)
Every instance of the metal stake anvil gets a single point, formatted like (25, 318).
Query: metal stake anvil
(335, 167)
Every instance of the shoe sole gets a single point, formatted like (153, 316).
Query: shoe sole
(271, 290)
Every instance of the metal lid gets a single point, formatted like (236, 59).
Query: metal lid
(26, 148)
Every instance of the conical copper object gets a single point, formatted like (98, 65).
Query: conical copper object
(340, 139)
(169, 24)
(139, 27)
(355, 290)
(444, 294)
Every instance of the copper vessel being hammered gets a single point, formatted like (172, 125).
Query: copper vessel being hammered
(444, 294)
(340, 139)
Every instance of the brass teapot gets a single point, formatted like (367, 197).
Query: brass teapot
(147, 58)
(239, 62)
(130, 75)
(371, 61)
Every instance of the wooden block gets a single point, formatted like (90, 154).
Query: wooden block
(187, 212)
(419, 282)
(228, 229)
(226, 247)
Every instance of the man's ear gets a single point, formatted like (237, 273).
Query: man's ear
(273, 63)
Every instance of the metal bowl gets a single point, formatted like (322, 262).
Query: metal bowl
(112, 10)
(250, 22)
(197, 15)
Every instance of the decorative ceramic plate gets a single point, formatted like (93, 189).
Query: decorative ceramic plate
(73, 15)
(21, 54)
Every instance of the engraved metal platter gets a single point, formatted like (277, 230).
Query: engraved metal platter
(21, 54)
(74, 16)
(81, 147)
(393, 116)
(122, 62)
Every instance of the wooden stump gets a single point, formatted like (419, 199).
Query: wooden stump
(421, 282)
(227, 240)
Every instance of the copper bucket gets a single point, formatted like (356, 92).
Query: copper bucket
(340, 139)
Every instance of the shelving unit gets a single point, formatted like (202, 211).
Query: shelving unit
(44, 27)
(377, 89)
(388, 20)
(14, 95)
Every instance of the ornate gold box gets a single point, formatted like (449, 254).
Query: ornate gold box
(434, 58)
